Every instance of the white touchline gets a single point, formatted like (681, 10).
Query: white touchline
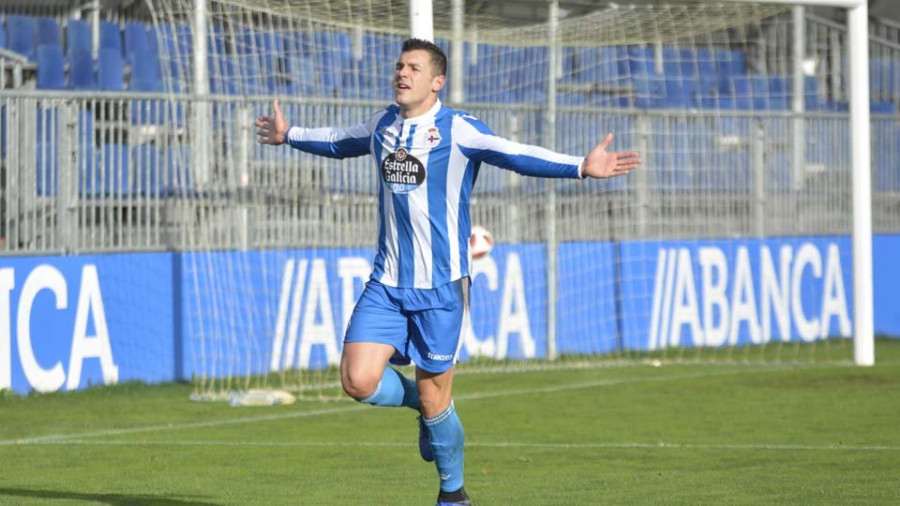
(479, 444)
(358, 407)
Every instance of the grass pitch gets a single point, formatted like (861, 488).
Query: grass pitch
(679, 434)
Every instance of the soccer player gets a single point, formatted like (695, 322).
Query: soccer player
(413, 307)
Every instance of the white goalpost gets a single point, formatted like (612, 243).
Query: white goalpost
(738, 240)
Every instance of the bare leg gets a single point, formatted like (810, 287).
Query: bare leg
(362, 366)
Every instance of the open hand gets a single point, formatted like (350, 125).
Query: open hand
(272, 129)
(600, 163)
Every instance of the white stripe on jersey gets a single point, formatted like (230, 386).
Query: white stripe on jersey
(421, 223)
(456, 170)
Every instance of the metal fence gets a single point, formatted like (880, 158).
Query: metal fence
(124, 172)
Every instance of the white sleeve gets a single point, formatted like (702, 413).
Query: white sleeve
(479, 143)
(334, 142)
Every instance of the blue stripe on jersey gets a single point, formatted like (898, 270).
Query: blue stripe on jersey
(526, 165)
(407, 267)
(438, 161)
(344, 148)
(465, 221)
(385, 121)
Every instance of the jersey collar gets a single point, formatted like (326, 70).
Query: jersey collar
(426, 116)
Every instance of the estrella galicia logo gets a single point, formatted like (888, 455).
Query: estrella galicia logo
(402, 172)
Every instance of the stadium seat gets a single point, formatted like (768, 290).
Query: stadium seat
(677, 96)
(2, 35)
(110, 36)
(883, 108)
(21, 35)
(50, 68)
(110, 75)
(136, 43)
(48, 32)
(78, 36)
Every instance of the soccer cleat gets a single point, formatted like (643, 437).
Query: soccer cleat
(424, 441)
(457, 498)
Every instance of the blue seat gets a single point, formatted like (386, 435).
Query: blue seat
(641, 61)
(883, 108)
(110, 36)
(136, 43)
(50, 68)
(78, 36)
(677, 95)
(110, 75)
(48, 32)
(2, 35)
(22, 35)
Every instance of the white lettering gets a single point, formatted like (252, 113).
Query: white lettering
(318, 298)
(775, 293)
(713, 265)
(350, 269)
(685, 309)
(294, 324)
(807, 254)
(514, 311)
(97, 346)
(42, 277)
(281, 321)
(743, 299)
(485, 266)
(834, 300)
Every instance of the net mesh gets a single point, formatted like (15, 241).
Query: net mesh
(731, 243)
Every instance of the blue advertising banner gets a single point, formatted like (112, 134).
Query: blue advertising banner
(725, 293)
(290, 308)
(70, 322)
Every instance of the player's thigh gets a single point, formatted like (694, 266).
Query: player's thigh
(377, 329)
(436, 332)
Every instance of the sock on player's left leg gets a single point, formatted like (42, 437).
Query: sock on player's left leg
(394, 389)
(447, 437)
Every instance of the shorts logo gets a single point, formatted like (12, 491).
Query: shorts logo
(401, 172)
(435, 356)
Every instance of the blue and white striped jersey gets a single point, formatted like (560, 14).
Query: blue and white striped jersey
(427, 166)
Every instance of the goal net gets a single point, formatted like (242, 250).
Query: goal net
(731, 243)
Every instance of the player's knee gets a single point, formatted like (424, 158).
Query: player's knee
(358, 386)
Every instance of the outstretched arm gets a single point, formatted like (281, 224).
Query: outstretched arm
(330, 142)
(479, 143)
(600, 163)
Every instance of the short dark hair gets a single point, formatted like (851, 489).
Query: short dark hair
(438, 58)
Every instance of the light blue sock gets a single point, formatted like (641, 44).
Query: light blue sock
(447, 437)
(394, 389)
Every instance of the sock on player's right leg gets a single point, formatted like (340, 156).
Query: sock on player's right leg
(394, 389)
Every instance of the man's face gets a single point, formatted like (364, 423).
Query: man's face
(414, 79)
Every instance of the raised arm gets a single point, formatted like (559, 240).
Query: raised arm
(330, 142)
(479, 143)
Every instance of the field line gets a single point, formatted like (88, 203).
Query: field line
(516, 445)
(359, 407)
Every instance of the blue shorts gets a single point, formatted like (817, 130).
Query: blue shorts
(425, 326)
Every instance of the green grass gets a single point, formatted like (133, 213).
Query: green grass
(676, 434)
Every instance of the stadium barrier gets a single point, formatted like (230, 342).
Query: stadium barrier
(72, 322)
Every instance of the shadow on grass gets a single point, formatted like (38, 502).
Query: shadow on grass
(111, 499)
